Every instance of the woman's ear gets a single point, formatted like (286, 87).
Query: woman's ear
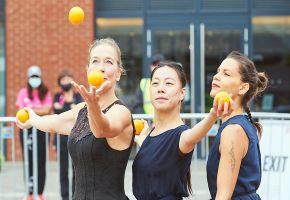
(244, 88)
(119, 73)
(183, 93)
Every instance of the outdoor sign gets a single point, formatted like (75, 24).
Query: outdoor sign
(275, 153)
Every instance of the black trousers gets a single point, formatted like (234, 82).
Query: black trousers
(64, 169)
(41, 158)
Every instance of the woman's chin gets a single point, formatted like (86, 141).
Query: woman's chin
(212, 93)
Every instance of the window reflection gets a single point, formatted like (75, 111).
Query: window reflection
(271, 53)
(218, 44)
(128, 34)
(174, 45)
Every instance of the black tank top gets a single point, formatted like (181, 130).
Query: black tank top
(99, 169)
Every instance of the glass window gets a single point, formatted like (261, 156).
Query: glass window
(174, 45)
(271, 53)
(128, 34)
(218, 44)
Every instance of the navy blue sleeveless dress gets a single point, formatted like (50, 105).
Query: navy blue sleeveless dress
(249, 177)
(99, 169)
(159, 169)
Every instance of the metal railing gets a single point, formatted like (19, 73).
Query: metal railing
(7, 129)
(28, 143)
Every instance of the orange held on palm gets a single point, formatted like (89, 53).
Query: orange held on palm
(139, 125)
(225, 97)
(96, 78)
(22, 115)
(76, 15)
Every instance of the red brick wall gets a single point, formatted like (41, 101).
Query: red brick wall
(38, 33)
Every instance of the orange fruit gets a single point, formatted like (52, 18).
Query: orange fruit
(76, 15)
(22, 115)
(139, 125)
(225, 97)
(96, 78)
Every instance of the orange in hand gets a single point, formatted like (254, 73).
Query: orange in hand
(225, 97)
(96, 78)
(22, 115)
(139, 125)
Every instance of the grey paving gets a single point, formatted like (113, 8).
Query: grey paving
(12, 182)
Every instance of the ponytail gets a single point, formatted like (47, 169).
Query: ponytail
(262, 82)
(257, 81)
(256, 124)
(188, 181)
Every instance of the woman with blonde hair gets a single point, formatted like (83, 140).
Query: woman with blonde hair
(99, 140)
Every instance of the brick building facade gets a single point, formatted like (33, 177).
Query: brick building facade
(39, 33)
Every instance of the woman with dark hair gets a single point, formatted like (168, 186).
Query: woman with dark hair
(65, 100)
(161, 169)
(37, 97)
(234, 162)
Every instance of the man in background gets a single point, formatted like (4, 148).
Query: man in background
(143, 104)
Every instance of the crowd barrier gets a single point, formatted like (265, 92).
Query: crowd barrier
(274, 145)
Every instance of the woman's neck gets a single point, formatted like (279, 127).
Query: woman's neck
(237, 111)
(68, 93)
(68, 96)
(167, 120)
(107, 98)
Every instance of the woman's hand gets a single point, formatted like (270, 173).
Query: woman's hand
(222, 109)
(91, 96)
(28, 123)
(57, 106)
(139, 139)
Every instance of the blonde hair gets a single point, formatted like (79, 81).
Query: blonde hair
(111, 42)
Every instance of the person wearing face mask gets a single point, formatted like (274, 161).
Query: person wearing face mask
(63, 101)
(37, 97)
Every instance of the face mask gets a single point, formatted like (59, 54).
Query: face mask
(34, 82)
(66, 87)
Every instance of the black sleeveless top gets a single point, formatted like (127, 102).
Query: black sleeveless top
(159, 170)
(99, 169)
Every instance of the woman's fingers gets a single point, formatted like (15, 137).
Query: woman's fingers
(92, 94)
(220, 107)
(226, 109)
(145, 128)
(81, 89)
(103, 87)
(24, 125)
(215, 104)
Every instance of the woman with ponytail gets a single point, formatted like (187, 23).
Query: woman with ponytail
(234, 162)
(161, 169)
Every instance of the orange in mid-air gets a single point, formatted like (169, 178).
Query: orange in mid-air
(76, 15)
(225, 97)
(22, 115)
(96, 78)
(139, 125)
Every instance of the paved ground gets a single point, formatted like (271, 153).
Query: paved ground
(12, 184)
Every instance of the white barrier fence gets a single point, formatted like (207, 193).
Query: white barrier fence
(275, 152)
(275, 149)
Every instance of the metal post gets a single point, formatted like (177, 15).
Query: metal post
(202, 81)
(58, 155)
(35, 163)
(70, 177)
(192, 69)
(1, 143)
(26, 142)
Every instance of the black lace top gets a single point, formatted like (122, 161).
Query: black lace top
(99, 169)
